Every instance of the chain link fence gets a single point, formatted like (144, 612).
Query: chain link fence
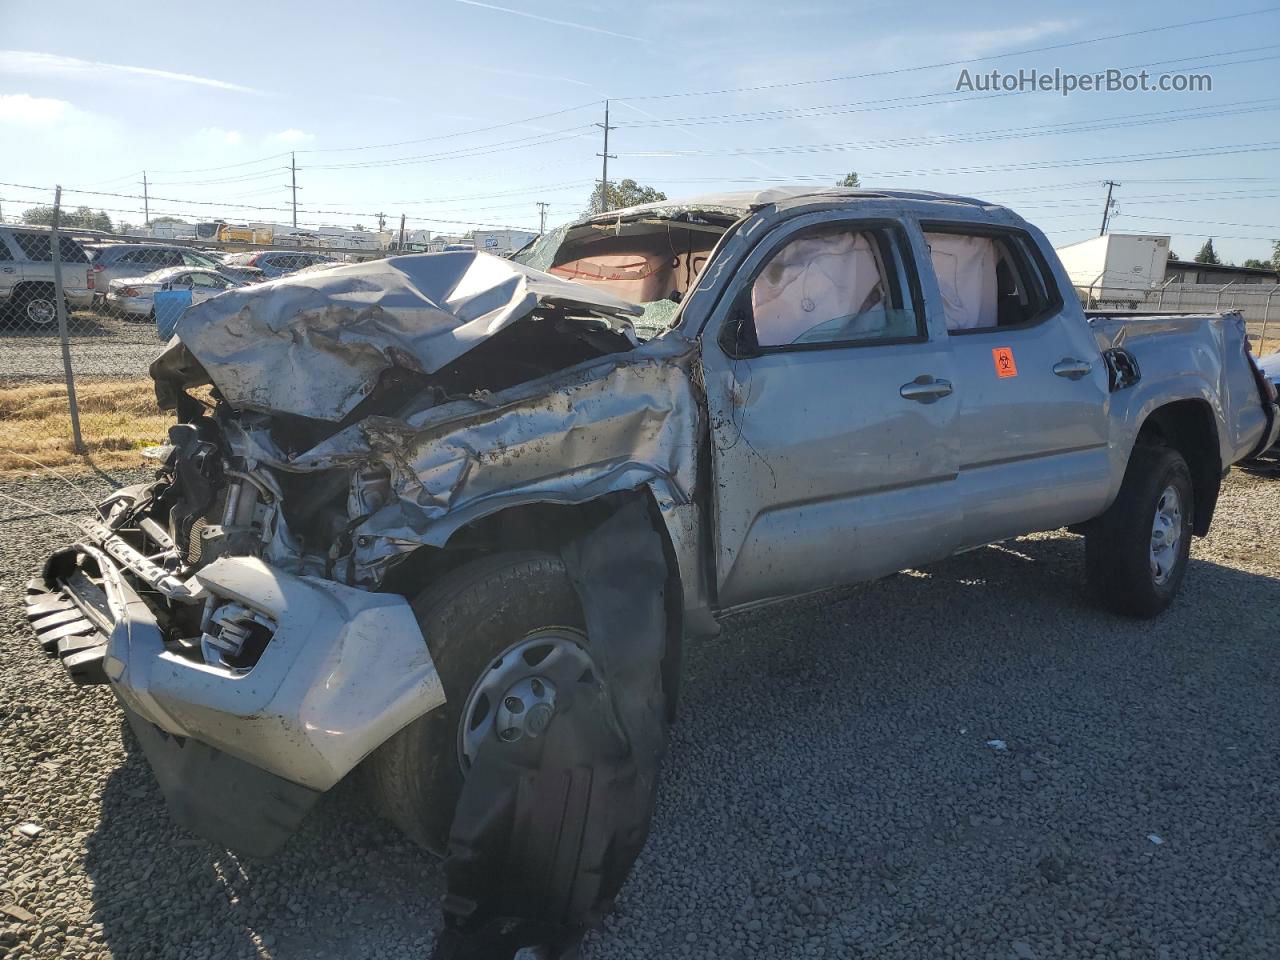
(1258, 303)
(74, 384)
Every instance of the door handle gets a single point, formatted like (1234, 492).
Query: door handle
(1071, 368)
(925, 389)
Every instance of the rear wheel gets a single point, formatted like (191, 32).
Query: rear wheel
(36, 307)
(1136, 555)
(508, 639)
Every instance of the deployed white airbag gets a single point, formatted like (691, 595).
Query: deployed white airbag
(815, 279)
(966, 270)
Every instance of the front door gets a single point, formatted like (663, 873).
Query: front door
(832, 409)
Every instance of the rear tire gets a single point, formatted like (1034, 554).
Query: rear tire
(37, 308)
(1136, 553)
(469, 617)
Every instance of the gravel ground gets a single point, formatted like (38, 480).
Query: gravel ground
(104, 348)
(831, 791)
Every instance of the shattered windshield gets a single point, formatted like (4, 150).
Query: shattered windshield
(652, 261)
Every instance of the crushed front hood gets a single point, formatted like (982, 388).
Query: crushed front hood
(314, 344)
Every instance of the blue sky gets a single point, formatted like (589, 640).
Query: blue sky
(377, 99)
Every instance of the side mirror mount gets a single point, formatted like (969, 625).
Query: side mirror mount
(738, 335)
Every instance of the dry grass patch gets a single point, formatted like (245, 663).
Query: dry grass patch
(117, 419)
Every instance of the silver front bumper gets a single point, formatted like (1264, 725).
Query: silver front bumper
(343, 670)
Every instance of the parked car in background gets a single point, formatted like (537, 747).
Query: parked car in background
(133, 296)
(117, 261)
(277, 263)
(26, 276)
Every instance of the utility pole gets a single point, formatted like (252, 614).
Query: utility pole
(604, 171)
(146, 201)
(1106, 210)
(293, 170)
(382, 222)
(542, 217)
(402, 233)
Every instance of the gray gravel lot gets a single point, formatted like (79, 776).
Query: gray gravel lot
(99, 348)
(830, 790)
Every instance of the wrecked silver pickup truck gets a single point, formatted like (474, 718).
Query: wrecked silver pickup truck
(449, 518)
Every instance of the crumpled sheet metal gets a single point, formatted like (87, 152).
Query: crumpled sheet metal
(314, 344)
(630, 423)
(607, 425)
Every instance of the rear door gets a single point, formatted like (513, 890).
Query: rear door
(1033, 419)
(832, 412)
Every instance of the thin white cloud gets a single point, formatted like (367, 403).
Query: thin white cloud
(221, 135)
(559, 23)
(293, 135)
(503, 72)
(977, 43)
(46, 64)
(29, 111)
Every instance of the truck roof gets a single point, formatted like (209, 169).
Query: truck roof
(741, 202)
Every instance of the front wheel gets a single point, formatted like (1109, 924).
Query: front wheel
(508, 639)
(1136, 554)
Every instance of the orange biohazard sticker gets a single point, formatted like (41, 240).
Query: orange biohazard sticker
(1003, 357)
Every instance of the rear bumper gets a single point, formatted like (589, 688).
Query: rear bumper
(134, 306)
(239, 753)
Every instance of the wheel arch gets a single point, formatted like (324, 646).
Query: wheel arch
(1190, 427)
(548, 526)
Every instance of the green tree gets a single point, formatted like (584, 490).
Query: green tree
(81, 217)
(1207, 254)
(850, 180)
(167, 220)
(1275, 254)
(1172, 255)
(1256, 264)
(624, 193)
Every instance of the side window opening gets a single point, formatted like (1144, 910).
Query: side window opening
(835, 284)
(987, 281)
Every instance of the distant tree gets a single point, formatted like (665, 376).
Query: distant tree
(358, 226)
(167, 220)
(1257, 264)
(624, 193)
(1275, 254)
(81, 217)
(125, 227)
(1172, 255)
(850, 180)
(1207, 254)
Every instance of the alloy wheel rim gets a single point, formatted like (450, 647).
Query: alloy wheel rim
(41, 312)
(1166, 535)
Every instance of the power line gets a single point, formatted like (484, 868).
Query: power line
(879, 104)
(895, 71)
(459, 133)
(984, 136)
(1183, 154)
(480, 150)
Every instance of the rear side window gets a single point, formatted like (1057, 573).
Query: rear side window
(989, 280)
(37, 247)
(838, 284)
